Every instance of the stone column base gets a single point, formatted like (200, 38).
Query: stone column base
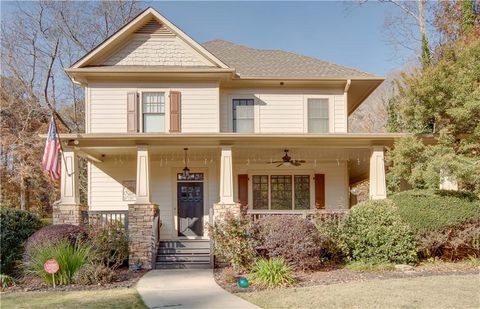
(68, 213)
(220, 210)
(141, 240)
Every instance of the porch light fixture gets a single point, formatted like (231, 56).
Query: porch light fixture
(186, 170)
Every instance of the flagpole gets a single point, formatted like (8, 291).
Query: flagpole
(60, 142)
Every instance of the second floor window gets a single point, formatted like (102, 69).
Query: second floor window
(153, 108)
(243, 115)
(317, 115)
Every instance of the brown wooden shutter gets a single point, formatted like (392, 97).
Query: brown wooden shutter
(132, 108)
(319, 191)
(243, 190)
(175, 108)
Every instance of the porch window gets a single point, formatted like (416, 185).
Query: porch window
(317, 115)
(243, 115)
(281, 192)
(153, 111)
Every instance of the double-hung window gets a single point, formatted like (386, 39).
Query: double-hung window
(317, 115)
(281, 192)
(243, 115)
(153, 108)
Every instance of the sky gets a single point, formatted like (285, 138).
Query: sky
(341, 32)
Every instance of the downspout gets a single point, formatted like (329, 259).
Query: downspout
(345, 95)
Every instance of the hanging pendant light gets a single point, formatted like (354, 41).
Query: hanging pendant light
(186, 170)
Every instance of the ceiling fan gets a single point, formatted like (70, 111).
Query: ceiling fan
(287, 160)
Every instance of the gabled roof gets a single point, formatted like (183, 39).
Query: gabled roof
(264, 63)
(141, 20)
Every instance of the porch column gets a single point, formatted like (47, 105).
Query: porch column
(68, 209)
(378, 186)
(143, 175)
(226, 203)
(141, 217)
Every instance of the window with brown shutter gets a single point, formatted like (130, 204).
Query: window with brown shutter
(319, 191)
(175, 108)
(132, 112)
(243, 190)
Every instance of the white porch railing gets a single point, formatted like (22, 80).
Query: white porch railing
(258, 214)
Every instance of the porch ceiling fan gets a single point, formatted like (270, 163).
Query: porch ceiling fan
(287, 160)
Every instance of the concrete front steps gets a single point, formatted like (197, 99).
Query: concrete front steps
(184, 254)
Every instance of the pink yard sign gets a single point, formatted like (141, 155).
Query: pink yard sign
(51, 266)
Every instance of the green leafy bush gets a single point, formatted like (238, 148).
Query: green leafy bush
(272, 273)
(232, 241)
(16, 226)
(330, 229)
(292, 238)
(93, 274)
(52, 234)
(375, 233)
(427, 211)
(70, 259)
(109, 244)
(6, 281)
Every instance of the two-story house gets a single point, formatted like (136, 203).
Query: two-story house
(188, 131)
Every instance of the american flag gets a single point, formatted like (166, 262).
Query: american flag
(51, 154)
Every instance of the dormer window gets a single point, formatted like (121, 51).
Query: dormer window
(153, 108)
(318, 115)
(243, 115)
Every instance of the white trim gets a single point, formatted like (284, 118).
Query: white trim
(331, 110)
(256, 110)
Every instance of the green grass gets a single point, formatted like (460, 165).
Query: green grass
(369, 267)
(428, 211)
(455, 291)
(114, 298)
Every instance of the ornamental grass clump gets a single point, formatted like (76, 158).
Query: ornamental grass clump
(272, 273)
(70, 259)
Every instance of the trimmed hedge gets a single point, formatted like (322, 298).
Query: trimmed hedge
(16, 226)
(429, 211)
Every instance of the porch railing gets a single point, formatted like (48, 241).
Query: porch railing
(104, 217)
(308, 214)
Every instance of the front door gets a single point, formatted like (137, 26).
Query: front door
(190, 208)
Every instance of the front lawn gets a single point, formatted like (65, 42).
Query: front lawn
(98, 299)
(454, 291)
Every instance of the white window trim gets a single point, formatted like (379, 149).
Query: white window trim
(256, 110)
(331, 110)
(167, 107)
(286, 172)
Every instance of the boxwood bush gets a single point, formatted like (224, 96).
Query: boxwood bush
(292, 238)
(16, 226)
(427, 211)
(374, 232)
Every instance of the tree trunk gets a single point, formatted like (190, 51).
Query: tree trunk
(23, 194)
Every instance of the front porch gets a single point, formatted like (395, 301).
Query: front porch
(142, 178)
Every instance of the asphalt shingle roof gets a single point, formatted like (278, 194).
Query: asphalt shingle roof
(254, 62)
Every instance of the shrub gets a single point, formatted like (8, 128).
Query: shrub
(229, 275)
(6, 281)
(272, 273)
(109, 244)
(52, 234)
(16, 226)
(93, 274)
(374, 233)
(427, 211)
(232, 241)
(330, 230)
(292, 238)
(70, 259)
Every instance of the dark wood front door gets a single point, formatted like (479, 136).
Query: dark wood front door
(190, 208)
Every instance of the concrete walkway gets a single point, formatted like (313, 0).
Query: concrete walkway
(186, 288)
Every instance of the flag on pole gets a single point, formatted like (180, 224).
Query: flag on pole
(51, 154)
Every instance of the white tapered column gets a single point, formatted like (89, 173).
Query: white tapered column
(378, 185)
(226, 176)
(69, 190)
(143, 176)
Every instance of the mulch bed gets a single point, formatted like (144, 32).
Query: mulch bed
(123, 278)
(336, 274)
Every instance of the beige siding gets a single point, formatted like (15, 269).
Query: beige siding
(147, 49)
(107, 106)
(106, 187)
(283, 111)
